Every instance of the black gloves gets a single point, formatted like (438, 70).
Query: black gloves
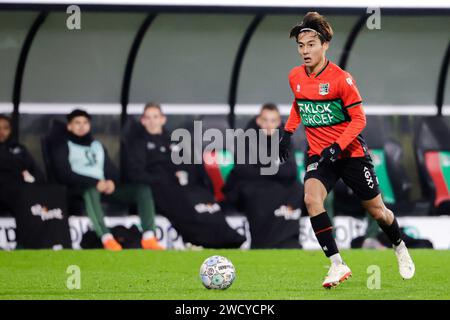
(284, 146)
(330, 154)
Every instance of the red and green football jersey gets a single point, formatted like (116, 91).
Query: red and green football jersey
(329, 106)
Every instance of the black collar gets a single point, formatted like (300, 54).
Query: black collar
(85, 140)
(318, 73)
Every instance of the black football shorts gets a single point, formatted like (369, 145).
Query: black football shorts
(357, 173)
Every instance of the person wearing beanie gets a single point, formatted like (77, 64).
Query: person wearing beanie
(82, 163)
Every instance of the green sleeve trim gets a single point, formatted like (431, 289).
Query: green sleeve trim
(353, 105)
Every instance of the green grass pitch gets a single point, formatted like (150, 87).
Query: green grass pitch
(261, 274)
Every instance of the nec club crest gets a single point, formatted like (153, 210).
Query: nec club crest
(324, 88)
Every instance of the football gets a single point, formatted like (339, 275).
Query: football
(217, 272)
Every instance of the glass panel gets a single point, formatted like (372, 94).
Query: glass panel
(14, 27)
(188, 58)
(84, 65)
(400, 63)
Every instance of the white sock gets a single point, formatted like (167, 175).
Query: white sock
(106, 237)
(336, 259)
(148, 234)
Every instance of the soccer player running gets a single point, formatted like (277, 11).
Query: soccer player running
(329, 105)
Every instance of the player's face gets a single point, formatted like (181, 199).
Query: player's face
(5, 130)
(311, 49)
(269, 120)
(153, 121)
(79, 126)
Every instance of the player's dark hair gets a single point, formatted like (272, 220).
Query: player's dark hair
(6, 118)
(317, 22)
(153, 105)
(269, 106)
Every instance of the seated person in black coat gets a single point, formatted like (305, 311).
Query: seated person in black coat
(17, 166)
(147, 157)
(16, 163)
(272, 203)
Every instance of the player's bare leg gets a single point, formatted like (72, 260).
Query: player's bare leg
(387, 222)
(315, 194)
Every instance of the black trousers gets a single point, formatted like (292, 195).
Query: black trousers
(40, 213)
(273, 211)
(205, 229)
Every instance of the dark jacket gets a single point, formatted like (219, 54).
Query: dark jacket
(146, 158)
(63, 171)
(14, 159)
(287, 172)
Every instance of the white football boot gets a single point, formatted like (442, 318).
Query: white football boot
(336, 274)
(405, 264)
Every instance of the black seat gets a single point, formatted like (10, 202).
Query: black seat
(432, 151)
(56, 129)
(387, 157)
